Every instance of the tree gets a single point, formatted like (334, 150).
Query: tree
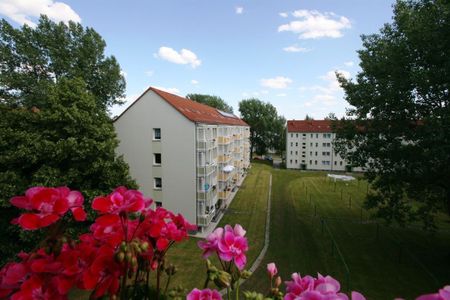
(308, 118)
(265, 125)
(55, 88)
(34, 60)
(213, 101)
(399, 126)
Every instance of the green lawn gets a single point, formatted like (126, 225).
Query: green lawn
(401, 262)
(248, 208)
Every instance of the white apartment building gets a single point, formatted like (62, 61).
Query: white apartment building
(187, 156)
(309, 146)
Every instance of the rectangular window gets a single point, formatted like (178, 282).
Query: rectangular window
(311, 144)
(156, 158)
(317, 135)
(291, 161)
(295, 161)
(296, 144)
(157, 183)
(317, 144)
(296, 152)
(311, 135)
(310, 153)
(292, 144)
(310, 162)
(315, 162)
(324, 135)
(292, 135)
(324, 144)
(316, 153)
(296, 135)
(335, 163)
(291, 152)
(340, 163)
(157, 134)
(304, 135)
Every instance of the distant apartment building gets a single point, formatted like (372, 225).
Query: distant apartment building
(187, 156)
(309, 146)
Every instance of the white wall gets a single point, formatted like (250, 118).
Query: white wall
(177, 147)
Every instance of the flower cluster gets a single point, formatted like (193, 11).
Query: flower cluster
(320, 288)
(126, 238)
(47, 205)
(229, 243)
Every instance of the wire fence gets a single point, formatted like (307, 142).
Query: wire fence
(378, 230)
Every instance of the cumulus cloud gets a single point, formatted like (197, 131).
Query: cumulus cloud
(278, 82)
(283, 14)
(169, 90)
(295, 48)
(23, 11)
(239, 10)
(193, 81)
(184, 57)
(313, 24)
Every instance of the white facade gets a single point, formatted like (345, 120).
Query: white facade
(308, 150)
(179, 162)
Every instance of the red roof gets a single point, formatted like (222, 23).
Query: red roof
(194, 111)
(309, 126)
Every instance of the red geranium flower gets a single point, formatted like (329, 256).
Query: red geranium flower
(121, 200)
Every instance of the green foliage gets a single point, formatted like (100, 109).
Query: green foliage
(267, 129)
(213, 101)
(55, 88)
(399, 126)
(34, 60)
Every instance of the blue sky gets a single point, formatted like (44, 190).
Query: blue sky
(282, 52)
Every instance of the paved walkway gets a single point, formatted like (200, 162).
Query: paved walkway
(261, 255)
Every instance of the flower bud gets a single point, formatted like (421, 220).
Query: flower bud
(144, 246)
(123, 246)
(223, 279)
(128, 256)
(120, 256)
(278, 281)
(246, 274)
(134, 261)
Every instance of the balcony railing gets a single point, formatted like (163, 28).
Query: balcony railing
(204, 220)
(224, 140)
(224, 176)
(206, 145)
(207, 196)
(206, 170)
(224, 195)
(223, 158)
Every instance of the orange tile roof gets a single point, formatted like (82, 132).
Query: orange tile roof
(194, 111)
(309, 126)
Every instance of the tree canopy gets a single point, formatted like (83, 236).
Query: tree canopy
(267, 129)
(55, 88)
(213, 101)
(399, 123)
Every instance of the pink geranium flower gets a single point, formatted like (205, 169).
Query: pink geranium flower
(211, 244)
(443, 294)
(205, 294)
(233, 246)
(121, 200)
(48, 205)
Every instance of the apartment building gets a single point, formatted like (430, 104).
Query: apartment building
(309, 146)
(189, 157)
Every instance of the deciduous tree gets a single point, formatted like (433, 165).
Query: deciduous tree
(399, 124)
(213, 101)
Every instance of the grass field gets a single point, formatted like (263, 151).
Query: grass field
(400, 262)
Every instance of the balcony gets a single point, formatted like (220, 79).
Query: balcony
(224, 176)
(224, 195)
(204, 220)
(206, 170)
(207, 196)
(206, 145)
(223, 158)
(223, 140)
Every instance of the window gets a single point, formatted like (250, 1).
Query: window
(317, 135)
(335, 163)
(292, 135)
(291, 161)
(291, 152)
(325, 162)
(310, 153)
(311, 135)
(317, 144)
(303, 161)
(304, 135)
(292, 144)
(340, 163)
(158, 203)
(157, 183)
(296, 152)
(157, 134)
(326, 144)
(316, 153)
(296, 144)
(311, 144)
(315, 162)
(296, 135)
(310, 162)
(156, 158)
(295, 161)
(326, 153)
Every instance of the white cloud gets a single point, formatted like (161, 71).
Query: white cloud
(330, 77)
(23, 11)
(283, 14)
(239, 10)
(149, 73)
(169, 90)
(282, 95)
(314, 24)
(123, 73)
(193, 81)
(295, 48)
(264, 92)
(278, 82)
(349, 63)
(183, 57)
